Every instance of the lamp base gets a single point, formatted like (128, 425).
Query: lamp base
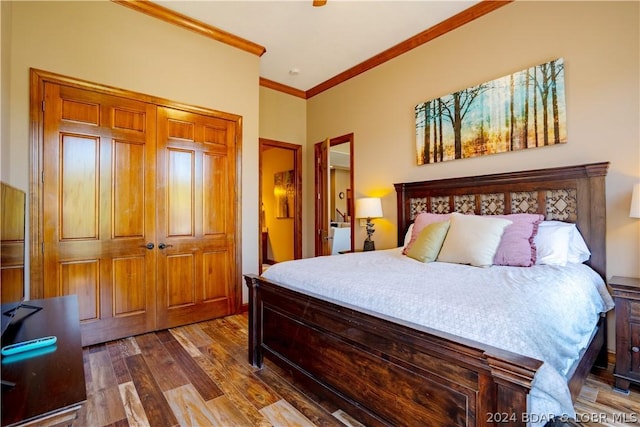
(369, 245)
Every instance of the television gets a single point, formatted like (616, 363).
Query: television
(12, 233)
(12, 256)
(12, 316)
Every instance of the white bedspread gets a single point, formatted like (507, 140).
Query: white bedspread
(545, 312)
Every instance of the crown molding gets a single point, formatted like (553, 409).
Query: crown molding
(282, 88)
(201, 28)
(462, 18)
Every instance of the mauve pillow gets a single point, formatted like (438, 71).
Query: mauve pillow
(420, 222)
(517, 247)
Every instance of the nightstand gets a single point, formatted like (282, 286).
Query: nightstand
(626, 293)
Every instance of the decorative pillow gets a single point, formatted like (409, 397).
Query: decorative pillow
(427, 246)
(407, 236)
(422, 220)
(517, 247)
(472, 239)
(558, 243)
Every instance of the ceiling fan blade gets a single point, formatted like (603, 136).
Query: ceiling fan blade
(318, 3)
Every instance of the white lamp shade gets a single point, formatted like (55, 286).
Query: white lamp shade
(634, 212)
(369, 207)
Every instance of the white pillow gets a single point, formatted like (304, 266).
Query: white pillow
(578, 250)
(558, 243)
(472, 239)
(552, 243)
(407, 236)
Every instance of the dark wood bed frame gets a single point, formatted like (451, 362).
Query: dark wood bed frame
(388, 372)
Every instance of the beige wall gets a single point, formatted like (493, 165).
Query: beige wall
(284, 118)
(5, 37)
(106, 43)
(599, 42)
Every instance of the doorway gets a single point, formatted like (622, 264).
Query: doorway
(280, 201)
(334, 206)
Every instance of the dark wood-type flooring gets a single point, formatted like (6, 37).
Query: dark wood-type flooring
(198, 375)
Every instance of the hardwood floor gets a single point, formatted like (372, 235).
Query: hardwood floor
(198, 375)
(599, 405)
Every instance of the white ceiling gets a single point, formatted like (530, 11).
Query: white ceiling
(319, 42)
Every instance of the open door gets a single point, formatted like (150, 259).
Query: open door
(322, 202)
(281, 234)
(325, 211)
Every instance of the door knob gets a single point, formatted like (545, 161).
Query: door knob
(149, 245)
(635, 349)
(162, 246)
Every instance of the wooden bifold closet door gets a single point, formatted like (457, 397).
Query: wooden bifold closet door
(138, 212)
(196, 217)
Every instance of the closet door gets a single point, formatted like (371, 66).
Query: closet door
(99, 209)
(196, 208)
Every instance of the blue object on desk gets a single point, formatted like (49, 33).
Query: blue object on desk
(29, 354)
(24, 346)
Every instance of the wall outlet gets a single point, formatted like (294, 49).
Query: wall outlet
(363, 222)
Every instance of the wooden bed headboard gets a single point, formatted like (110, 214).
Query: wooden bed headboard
(571, 194)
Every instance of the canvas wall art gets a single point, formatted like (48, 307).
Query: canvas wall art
(526, 109)
(284, 192)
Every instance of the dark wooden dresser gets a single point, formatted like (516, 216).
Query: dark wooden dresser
(49, 386)
(626, 292)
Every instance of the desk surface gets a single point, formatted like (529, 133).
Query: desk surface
(51, 382)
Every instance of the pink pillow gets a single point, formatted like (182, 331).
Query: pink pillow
(422, 220)
(517, 247)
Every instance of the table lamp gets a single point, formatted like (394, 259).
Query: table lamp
(369, 207)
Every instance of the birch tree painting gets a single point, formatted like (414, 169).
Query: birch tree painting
(526, 109)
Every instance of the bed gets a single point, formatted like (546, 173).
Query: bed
(385, 370)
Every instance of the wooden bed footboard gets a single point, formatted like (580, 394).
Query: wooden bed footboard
(384, 372)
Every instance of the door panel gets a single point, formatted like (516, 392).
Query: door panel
(180, 179)
(197, 208)
(180, 270)
(99, 209)
(128, 198)
(214, 172)
(216, 264)
(81, 278)
(79, 187)
(129, 297)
